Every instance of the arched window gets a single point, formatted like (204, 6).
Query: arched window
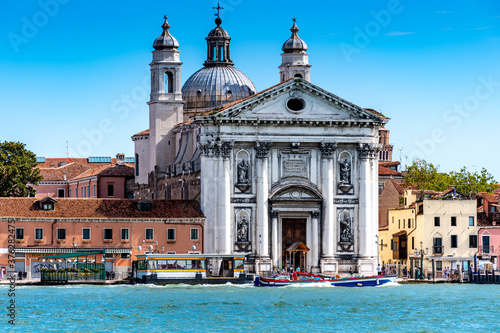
(168, 83)
(298, 75)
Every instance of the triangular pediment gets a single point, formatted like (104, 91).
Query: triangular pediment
(296, 100)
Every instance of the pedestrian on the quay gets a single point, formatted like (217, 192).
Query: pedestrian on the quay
(379, 270)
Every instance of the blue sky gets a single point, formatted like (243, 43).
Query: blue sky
(78, 71)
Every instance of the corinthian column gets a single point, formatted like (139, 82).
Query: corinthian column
(327, 178)
(262, 161)
(366, 222)
(224, 199)
(274, 232)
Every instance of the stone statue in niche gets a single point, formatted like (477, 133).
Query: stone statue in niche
(346, 233)
(243, 176)
(243, 230)
(345, 171)
(345, 175)
(243, 172)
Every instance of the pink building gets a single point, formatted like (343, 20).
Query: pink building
(93, 177)
(120, 228)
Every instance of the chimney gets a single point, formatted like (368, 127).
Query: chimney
(120, 159)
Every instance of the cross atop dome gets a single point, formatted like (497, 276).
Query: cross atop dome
(218, 9)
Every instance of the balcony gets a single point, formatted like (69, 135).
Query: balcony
(486, 250)
(437, 250)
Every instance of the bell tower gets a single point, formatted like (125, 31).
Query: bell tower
(294, 59)
(165, 104)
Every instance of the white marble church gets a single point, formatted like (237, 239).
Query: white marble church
(287, 175)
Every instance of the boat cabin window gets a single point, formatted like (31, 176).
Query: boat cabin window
(174, 264)
(141, 264)
(239, 263)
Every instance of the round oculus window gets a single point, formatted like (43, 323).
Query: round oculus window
(296, 104)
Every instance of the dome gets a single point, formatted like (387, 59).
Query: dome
(294, 44)
(218, 32)
(166, 41)
(213, 86)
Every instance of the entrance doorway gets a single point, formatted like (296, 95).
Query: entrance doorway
(293, 231)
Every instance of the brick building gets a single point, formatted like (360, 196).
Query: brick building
(50, 226)
(93, 177)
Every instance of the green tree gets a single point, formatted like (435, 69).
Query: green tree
(17, 170)
(426, 176)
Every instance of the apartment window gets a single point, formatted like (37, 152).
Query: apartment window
(380, 187)
(111, 190)
(76, 192)
(170, 234)
(81, 192)
(125, 234)
(20, 233)
(136, 164)
(409, 223)
(393, 219)
(437, 245)
(396, 246)
(61, 233)
(60, 193)
(94, 191)
(454, 241)
(108, 233)
(412, 243)
(437, 221)
(38, 233)
(472, 241)
(88, 191)
(69, 193)
(399, 224)
(149, 234)
(392, 244)
(194, 234)
(439, 266)
(471, 221)
(85, 233)
(124, 255)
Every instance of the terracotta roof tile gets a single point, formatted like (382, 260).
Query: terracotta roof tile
(99, 208)
(145, 132)
(383, 171)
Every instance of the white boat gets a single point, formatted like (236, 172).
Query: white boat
(190, 269)
(309, 279)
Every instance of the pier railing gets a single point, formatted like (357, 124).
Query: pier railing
(65, 276)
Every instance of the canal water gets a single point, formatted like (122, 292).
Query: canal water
(229, 308)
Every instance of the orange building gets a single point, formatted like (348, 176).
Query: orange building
(121, 228)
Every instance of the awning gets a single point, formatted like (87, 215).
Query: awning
(298, 246)
(401, 233)
(72, 255)
(70, 250)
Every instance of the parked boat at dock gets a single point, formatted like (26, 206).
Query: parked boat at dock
(190, 269)
(309, 279)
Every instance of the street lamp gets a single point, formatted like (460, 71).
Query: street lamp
(422, 253)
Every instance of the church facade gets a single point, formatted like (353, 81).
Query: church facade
(288, 176)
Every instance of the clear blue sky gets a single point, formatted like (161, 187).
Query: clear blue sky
(78, 71)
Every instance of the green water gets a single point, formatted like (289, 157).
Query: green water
(227, 308)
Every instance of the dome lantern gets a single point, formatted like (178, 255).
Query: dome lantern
(166, 41)
(294, 44)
